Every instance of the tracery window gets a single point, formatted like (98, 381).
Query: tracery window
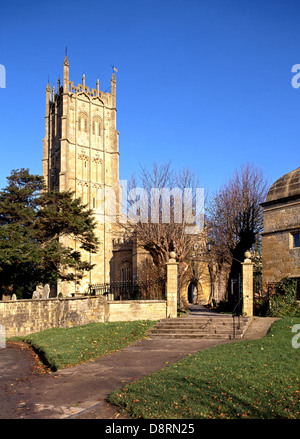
(125, 272)
(96, 127)
(83, 123)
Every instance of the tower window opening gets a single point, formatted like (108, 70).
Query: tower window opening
(296, 240)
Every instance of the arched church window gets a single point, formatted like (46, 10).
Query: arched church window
(83, 122)
(125, 272)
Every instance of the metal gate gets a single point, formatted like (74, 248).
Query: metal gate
(237, 291)
(130, 290)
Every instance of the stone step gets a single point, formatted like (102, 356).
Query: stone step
(221, 317)
(200, 321)
(200, 333)
(220, 327)
(197, 331)
(196, 336)
(200, 325)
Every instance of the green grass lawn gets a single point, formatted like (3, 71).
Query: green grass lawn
(65, 347)
(249, 379)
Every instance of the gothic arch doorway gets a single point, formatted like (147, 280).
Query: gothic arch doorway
(192, 292)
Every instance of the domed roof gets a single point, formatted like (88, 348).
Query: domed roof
(286, 186)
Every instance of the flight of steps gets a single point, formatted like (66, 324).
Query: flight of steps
(205, 327)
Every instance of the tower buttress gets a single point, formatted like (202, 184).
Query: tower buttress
(66, 74)
(113, 84)
(48, 98)
(47, 135)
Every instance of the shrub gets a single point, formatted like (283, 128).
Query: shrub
(282, 299)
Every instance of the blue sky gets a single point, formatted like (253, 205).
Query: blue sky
(205, 84)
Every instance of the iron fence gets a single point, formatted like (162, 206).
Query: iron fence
(257, 284)
(260, 296)
(130, 290)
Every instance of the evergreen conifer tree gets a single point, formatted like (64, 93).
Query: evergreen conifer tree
(34, 226)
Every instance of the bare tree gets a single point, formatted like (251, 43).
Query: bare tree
(162, 209)
(234, 222)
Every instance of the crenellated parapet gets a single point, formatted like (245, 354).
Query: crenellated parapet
(123, 243)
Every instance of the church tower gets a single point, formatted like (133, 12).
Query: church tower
(81, 153)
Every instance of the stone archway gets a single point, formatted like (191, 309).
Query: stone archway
(192, 292)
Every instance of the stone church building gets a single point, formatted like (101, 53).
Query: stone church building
(81, 153)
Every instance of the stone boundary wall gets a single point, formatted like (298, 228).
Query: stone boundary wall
(23, 317)
(131, 310)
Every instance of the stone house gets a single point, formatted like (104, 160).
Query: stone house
(281, 236)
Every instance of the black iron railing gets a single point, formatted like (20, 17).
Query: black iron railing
(130, 290)
(237, 310)
(237, 313)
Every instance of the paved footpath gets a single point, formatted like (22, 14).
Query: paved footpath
(80, 391)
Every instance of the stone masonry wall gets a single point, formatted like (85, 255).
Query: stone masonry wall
(23, 317)
(136, 310)
(282, 216)
(280, 259)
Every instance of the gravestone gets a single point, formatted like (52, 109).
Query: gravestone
(35, 295)
(2, 337)
(46, 291)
